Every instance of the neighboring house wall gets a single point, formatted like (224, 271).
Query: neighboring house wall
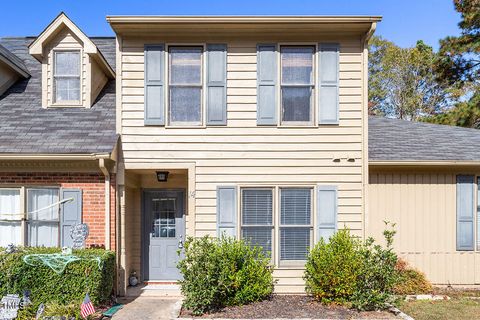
(245, 154)
(7, 77)
(422, 203)
(93, 194)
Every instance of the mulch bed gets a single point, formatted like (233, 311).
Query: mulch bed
(290, 307)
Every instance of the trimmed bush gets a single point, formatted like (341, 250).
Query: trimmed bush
(411, 280)
(351, 272)
(331, 270)
(223, 272)
(70, 286)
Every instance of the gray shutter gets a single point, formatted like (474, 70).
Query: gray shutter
(70, 214)
(266, 84)
(328, 93)
(154, 84)
(227, 211)
(465, 212)
(326, 211)
(216, 84)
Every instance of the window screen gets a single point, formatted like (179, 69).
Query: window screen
(295, 223)
(67, 76)
(297, 83)
(43, 217)
(257, 218)
(185, 85)
(10, 217)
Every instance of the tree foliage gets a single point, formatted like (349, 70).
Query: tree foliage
(463, 114)
(459, 57)
(402, 82)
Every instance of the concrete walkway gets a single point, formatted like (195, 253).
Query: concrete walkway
(148, 308)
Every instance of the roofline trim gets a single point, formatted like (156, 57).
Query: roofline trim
(55, 156)
(411, 163)
(298, 19)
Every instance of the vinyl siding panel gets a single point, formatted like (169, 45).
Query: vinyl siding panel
(242, 153)
(423, 206)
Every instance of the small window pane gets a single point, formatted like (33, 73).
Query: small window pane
(67, 89)
(295, 207)
(185, 66)
(296, 104)
(10, 231)
(297, 65)
(259, 237)
(43, 217)
(294, 243)
(67, 63)
(185, 104)
(257, 207)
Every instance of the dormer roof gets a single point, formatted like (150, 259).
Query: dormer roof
(15, 63)
(36, 48)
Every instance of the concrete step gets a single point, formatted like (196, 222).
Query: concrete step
(155, 290)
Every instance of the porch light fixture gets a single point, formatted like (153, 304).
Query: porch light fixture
(162, 176)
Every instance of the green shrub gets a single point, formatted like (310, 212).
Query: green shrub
(331, 270)
(411, 281)
(350, 272)
(223, 272)
(46, 286)
(377, 276)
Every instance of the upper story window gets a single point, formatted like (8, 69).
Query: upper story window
(297, 84)
(67, 76)
(185, 85)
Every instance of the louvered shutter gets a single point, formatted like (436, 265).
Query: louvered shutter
(328, 79)
(70, 214)
(154, 85)
(465, 213)
(326, 211)
(216, 84)
(266, 84)
(227, 211)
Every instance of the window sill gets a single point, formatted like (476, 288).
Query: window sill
(66, 105)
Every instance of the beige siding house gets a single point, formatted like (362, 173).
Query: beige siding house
(254, 127)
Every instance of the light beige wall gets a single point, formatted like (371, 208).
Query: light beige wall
(422, 203)
(7, 77)
(98, 79)
(243, 153)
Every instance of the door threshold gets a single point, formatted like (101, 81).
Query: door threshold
(160, 282)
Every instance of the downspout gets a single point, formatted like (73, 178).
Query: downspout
(101, 163)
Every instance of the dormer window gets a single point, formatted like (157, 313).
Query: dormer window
(67, 77)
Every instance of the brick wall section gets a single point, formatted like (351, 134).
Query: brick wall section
(93, 186)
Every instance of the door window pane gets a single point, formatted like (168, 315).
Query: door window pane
(185, 85)
(43, 217)
(163, 219)
(295, 223)
(257, 217)
(10, 216)
(67, 76)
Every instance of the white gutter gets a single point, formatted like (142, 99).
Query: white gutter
(101, 164)
(54, 156)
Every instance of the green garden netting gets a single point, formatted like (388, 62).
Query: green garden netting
(56, 261)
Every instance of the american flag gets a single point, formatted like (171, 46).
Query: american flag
(86, 308)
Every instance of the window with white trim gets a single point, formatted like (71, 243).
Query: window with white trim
(185, 85)
(66, 76)
(39, 225)
(297, 84)
(287, 234)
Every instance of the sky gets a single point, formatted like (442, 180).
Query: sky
(404, 21)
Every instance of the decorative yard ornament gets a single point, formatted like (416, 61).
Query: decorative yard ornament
(133, 280)
(79, 234)
(40, 310)
(9, 306)
(66, 250)
(10, 248)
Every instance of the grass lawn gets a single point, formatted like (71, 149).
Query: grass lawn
(459, 307)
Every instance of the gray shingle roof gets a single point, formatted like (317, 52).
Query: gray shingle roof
(13, 59)
(28, 128)
(401, 140)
